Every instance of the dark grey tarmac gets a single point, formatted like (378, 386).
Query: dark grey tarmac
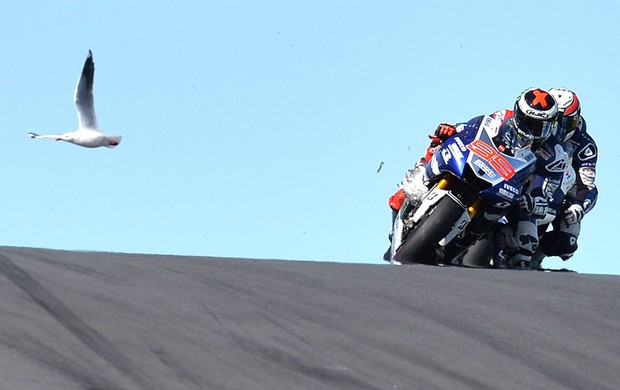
(84, 320)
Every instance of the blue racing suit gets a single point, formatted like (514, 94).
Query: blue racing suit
(562, 240)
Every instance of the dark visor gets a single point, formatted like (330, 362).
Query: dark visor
(539, 129)
(569, 123)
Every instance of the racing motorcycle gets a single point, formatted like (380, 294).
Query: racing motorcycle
(473, 179)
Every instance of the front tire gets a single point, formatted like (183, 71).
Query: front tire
(419, 244)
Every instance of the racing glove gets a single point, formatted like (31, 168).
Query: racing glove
(396, 201)
(573, 214)
(535, 206)
(444, 131)
(431, 150)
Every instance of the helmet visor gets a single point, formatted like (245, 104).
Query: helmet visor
(538, 128)
(569, 125)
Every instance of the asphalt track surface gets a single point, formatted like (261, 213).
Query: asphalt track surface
(82, 320)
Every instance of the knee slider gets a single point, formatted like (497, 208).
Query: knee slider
(557, 243)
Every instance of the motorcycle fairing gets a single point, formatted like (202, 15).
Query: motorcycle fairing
(473, 156)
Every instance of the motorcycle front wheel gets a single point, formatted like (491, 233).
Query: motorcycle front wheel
(421, 241)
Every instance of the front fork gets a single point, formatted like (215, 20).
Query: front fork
(441, 189)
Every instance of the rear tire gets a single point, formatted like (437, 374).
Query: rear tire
(420, 243)
(479, 255)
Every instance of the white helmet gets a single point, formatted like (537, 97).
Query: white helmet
(570, 112)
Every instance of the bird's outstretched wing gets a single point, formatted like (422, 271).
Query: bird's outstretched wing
(83, 98)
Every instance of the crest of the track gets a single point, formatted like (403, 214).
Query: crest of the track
(82, 320)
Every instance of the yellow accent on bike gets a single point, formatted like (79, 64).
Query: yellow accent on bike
(473, 209)
(442, 184)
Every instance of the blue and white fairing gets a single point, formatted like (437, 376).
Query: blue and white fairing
(472, 156)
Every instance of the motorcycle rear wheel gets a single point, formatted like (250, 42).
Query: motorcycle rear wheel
(420, 243)
(479, 254)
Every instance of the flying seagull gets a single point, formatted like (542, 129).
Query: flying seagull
(88, 133)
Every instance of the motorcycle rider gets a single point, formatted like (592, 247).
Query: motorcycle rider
(581, 198)
(566, 206)
(531, 119)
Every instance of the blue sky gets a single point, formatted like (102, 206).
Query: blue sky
(256, 128)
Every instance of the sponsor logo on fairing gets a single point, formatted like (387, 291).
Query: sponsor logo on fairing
(512, 189)
(456, 152)
(460, 143)
(445, 153)
(502, 205)
(506, 194)
(485, 169)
